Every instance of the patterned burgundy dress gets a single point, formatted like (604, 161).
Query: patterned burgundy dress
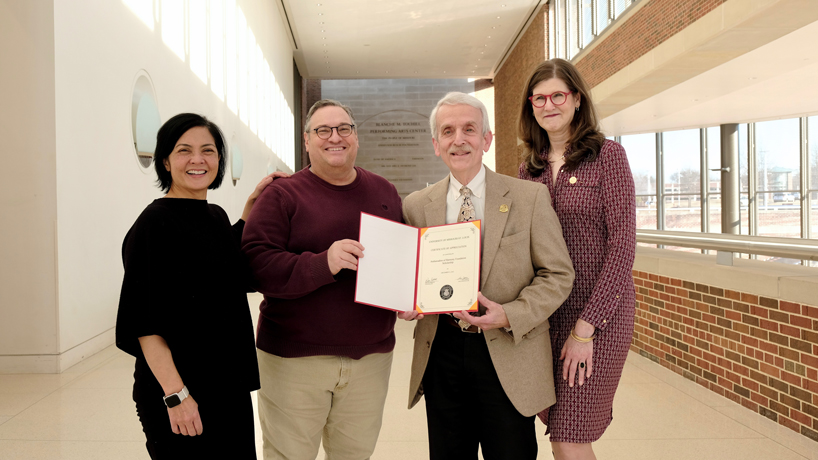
(596, 207)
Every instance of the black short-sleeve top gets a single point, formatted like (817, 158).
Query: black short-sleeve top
(185, 280)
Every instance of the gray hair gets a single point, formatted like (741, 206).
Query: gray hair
(326, 103)
(457, 98)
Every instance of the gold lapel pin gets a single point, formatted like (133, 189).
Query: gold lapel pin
(503, 208)
(573, 180)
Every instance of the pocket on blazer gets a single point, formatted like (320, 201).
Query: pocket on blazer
(513, 239)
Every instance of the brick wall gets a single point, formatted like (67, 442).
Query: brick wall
(508, 86)
(759, 352)
(654, 23)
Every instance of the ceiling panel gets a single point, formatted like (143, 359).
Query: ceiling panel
(404, 38)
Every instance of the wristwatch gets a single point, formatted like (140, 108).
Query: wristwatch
(176, 398)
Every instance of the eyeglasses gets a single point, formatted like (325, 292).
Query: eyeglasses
(557, 98)
(325, 132)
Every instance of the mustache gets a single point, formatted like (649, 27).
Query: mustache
(456, 150)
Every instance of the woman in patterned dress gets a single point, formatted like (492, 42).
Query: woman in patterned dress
(592, 193)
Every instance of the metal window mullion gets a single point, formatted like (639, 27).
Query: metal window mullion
(752, 183)
(803, 186)
(704, 183)
(579, 26)
(552, 31)
(595, 18)
(660, 184)
(566, 28)
(752, 180)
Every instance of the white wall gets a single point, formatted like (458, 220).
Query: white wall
(28, 296)
(99, 46)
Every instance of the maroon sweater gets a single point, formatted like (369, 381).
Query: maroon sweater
(306, 311)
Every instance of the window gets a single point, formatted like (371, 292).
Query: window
(682, 180)
(641, 151)
(575, 24)
(778, 172)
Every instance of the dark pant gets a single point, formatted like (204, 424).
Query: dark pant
(466, 406)
(227, 430)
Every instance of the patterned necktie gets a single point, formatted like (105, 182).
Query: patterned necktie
(467, 213)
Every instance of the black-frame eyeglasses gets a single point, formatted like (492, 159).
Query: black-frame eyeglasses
(325, 132)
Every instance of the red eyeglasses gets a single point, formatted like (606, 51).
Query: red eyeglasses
(557, 98)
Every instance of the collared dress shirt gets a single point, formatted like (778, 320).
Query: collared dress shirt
(454, 199)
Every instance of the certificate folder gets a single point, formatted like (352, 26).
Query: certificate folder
(430, 270)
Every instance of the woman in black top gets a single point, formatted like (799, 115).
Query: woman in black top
(183, 309)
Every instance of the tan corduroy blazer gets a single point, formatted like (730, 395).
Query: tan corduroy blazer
(525, 267)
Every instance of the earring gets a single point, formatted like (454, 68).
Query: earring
(577, 109)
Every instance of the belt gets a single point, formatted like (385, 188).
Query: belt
(469, 328)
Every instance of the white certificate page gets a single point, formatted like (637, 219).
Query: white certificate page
(386, 273)
(449, 268)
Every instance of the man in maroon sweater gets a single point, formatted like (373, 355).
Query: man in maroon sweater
(324, 360)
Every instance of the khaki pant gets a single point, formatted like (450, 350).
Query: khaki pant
(334, 399)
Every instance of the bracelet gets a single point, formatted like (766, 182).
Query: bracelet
(580, 339)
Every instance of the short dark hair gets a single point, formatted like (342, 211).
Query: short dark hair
(166, 140)
(326, 103)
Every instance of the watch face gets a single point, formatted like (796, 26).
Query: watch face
(172, 400)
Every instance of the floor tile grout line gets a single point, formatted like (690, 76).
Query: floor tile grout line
(730, 403)
(60, 387)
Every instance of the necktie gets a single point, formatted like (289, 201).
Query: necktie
(467, 213)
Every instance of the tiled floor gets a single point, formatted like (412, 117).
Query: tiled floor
(86, 413)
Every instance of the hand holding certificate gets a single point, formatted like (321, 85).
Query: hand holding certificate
(429, 270)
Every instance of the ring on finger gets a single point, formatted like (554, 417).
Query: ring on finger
(582, 365)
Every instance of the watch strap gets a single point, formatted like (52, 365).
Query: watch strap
(175, 399)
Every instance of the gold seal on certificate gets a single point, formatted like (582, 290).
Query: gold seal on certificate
(431, 270)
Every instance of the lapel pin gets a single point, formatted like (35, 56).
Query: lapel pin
(573, 180)
(503, 208)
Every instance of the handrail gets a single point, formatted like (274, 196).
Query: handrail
(792, 248)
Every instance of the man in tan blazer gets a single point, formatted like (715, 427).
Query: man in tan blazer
(485, 377)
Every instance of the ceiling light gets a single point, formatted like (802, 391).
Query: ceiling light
(503, 5)
(320, 23)
(320, 14)
(319, 4)
(489, 37)
(322, 31)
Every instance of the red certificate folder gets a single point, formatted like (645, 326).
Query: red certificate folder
(431, 270)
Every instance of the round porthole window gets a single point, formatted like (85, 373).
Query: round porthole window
(145, 121)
